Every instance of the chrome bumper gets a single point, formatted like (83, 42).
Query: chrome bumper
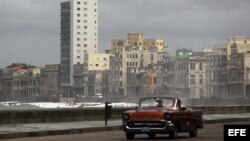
(168, 127)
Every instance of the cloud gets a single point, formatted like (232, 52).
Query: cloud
(29, 32)
(32, 27)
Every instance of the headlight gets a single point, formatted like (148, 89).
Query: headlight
(125, 116)
(167, 116)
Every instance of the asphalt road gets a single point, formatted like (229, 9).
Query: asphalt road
(211, 132)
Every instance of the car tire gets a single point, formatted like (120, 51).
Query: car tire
(151, 135)
(193, 133)
(130, 136)
(174, 134)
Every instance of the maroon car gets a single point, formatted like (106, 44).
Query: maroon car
(161, 115)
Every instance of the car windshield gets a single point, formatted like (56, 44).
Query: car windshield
(156, 102)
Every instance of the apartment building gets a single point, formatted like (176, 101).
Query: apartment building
(20, 82)
(79, 36)
(186, 75)
(217, 71)
(239, 75)
(129, 59)
(96, 65)
(137, 39)
(240, 43)
(50, 81)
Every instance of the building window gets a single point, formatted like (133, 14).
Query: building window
(85, 45)
(85, 39)
(85, 2)
(78, 45)
(192, 79)
(85, 27)
(78, 2)
(85, 15)
(201, 81)
(85, 33)
(78, 8)
(78, 57)
(85, 9)
(78, 39)
(155, 80)
(152, 57)
(78, 15)
(78, 21)
(78, 27)
(78, 33)
(200, 67)
(96, 65)
(85, 21)
(192, 66)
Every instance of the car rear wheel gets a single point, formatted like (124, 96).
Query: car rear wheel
(130, 136)
(194, 132)
(151, 135)
(174, 134)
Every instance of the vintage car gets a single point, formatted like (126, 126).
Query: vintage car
(161, 115)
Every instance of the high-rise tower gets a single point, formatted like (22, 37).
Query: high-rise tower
(79, 36)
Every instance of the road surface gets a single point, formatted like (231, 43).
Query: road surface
(211, 132)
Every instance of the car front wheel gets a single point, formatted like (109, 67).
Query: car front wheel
(194, 132)
(174, 134)
(130, 136)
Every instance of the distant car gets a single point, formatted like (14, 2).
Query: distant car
(161, 115)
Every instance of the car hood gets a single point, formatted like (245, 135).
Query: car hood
(148, 114)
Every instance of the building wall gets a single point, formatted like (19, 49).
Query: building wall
(152, 82)
(197, 77)
(243, 44)
(98, 62)
(217, 74)
(1, 85)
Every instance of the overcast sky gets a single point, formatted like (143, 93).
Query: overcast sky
(29, 29)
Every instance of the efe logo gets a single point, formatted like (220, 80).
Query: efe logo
(236, 132)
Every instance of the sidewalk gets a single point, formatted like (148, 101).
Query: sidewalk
(44, 129)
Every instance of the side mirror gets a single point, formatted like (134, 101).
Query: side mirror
(136, 107)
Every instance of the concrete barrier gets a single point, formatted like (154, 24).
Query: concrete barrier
(87, 114)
